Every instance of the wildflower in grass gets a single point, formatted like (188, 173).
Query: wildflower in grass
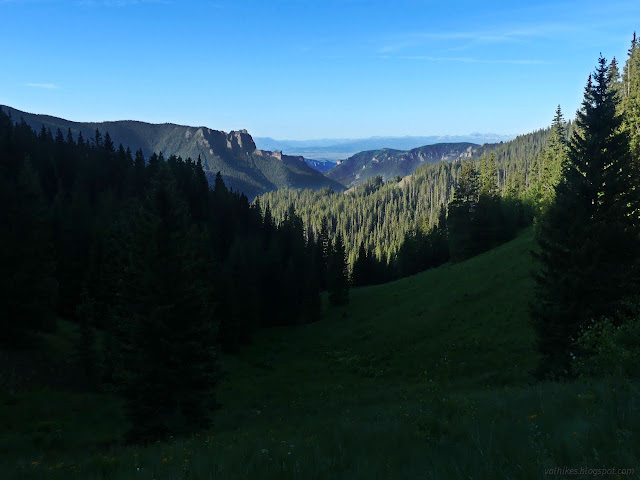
(533, 416)
(35, 464)
(136, 454)
(165, 460)
(186, 460)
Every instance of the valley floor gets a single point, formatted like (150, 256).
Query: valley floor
(426, 377)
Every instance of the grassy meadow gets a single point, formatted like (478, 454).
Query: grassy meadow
(427, 377)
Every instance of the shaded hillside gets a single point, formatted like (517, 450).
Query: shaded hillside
(389, 163)
(426, 377)
(320, 165)
(243, 167)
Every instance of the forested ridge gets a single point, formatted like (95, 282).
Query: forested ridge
(389, 163)
(379, 214)
(244, 168)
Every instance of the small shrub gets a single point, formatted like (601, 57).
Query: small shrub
(610, 346)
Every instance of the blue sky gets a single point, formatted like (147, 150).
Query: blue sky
(301, 69)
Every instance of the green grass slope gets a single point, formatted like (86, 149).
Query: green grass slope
(462, 324)
(427, 377)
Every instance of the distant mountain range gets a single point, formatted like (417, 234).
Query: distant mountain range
(244, 167)
(333, 149)
(321, 165)
(390, 163)
(268, 164)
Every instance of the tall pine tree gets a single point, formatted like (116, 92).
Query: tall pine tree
(338, 274)
(462, 211)
(548, 169)
(588, 239)
(631, 97)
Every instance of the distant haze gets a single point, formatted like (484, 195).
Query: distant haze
(333, 149)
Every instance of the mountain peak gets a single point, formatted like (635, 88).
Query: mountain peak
(241, 142)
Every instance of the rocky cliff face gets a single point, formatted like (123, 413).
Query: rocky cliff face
(237, 142)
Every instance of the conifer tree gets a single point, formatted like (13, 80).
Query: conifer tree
(615, 79)
(168, 361)
(440, 235)
(462, 211)
(338, 274)
(28, 287)
(360, 274)
(588, 248)
(139, 174)
(487, 222)
(323, 249)
(218, 185)
(267, 226)
(631, 98)
(488, 176)
(542, 188)
(312, 308)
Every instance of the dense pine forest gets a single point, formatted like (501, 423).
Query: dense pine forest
(382, 215)
(156, 269)
(176, 289)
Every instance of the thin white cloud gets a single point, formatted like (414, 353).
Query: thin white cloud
(48, 86)
(470, 60)
(119, 3)
(515, 34)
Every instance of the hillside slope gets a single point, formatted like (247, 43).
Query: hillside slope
(475, 312)
(425, 377)
(390, 163)
(244, 167)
